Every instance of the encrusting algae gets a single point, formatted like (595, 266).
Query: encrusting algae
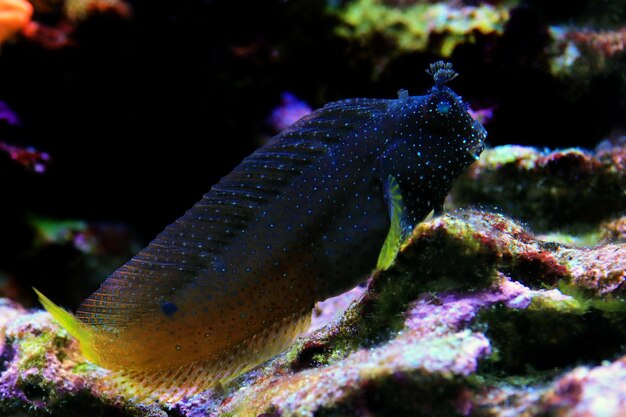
(233, 281)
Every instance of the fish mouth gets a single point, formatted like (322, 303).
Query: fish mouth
(477, 146)
(476, 150)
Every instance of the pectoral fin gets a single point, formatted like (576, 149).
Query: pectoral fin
(400, 228)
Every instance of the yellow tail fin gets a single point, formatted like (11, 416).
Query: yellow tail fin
(72, 325)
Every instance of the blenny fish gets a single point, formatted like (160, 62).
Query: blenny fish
(305, 217)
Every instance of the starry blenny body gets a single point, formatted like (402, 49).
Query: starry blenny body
(233, 281)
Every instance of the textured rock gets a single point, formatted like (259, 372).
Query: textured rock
(582, 52)
(476, 316)
(548, 189)
(41, 366)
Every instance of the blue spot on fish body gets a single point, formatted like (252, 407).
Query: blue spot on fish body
(168, 308)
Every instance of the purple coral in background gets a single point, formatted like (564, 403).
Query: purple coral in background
(8, 115)
(483, 115)
(290, 110)
(28, 157)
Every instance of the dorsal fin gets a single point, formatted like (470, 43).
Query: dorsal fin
(187, 248)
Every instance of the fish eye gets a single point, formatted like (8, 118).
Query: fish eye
(443, 107)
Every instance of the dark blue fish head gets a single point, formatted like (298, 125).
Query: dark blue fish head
(443, 136)
(433, 138)
(455, 137)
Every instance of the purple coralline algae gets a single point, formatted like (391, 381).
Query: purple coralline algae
(331, 309)
(40, 364)
(596, 391)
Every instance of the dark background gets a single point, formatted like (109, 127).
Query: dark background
(144, 114)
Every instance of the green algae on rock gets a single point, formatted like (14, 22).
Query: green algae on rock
(422, 26)
(41, 375)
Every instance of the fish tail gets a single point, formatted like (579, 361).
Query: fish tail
(73, 326)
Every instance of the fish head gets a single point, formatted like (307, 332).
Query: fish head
(454, 136)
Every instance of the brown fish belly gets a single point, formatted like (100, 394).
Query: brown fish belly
(208, 327)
